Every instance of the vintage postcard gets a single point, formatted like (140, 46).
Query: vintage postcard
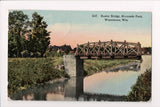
(79, 55)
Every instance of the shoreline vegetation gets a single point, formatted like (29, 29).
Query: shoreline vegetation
(26, 72)
(95, 66)
(141, 91)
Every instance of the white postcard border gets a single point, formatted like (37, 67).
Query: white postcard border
(144, 6)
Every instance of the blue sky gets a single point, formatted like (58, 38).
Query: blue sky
(79, 17)
(77, 24)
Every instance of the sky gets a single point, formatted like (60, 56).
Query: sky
(78, 27)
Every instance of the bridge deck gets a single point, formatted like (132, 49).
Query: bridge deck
(115, 57)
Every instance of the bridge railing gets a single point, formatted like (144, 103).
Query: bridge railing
(109, 49)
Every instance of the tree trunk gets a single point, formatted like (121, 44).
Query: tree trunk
(42, 54)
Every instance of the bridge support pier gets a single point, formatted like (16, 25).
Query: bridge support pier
(74, 87)
(73, 65)
(74, 68)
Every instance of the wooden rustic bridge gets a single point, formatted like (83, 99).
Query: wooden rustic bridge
(109, 50)
(100, 50)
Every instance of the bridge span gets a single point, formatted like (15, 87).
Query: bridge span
(100, 50)
(109, 50)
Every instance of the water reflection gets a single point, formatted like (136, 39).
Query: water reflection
(110, 85)
(117, 81)
(130, 67)
(40, 92)
(62, 90)
(74, 87)
(102, 97)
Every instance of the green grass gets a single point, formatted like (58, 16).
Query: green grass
(25, 72)
(58, 60)
(94, 66)
(141, 91)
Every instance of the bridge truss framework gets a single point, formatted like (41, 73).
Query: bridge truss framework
(109, 50)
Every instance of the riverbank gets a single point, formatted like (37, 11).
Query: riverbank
(26, 72)
(141, 91)
(95, 66)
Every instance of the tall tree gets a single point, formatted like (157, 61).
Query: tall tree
(39, 38)
(18, 23)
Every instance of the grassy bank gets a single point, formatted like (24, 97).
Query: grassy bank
(25, 72)
(141, 91)
(94, 66)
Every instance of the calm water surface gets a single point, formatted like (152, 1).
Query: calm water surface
(117, 81)
(110, 85)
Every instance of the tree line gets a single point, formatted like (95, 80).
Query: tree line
(27, 36)
(65, 48)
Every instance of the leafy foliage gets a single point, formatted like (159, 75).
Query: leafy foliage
(25, 72)
(65, 48)
(18, 23)
(141, 91)
(24, 35)
(39, 39)
(54, 54)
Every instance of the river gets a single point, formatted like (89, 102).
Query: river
(110, 85)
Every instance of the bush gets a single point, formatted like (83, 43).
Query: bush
(25, 72)
(141, 91)
(54, 54)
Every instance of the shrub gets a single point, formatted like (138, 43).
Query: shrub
(54, 54)
(24, 72)
(141, 91)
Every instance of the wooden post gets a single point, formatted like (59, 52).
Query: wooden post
(115, 49)
(88, 49)
(111, 47)
(139, 47)
(84, 50)
(124, 48)
(77, 53)
(99, 46)
(127, 49)
(93, 53)
(104, 49)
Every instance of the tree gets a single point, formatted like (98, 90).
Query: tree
(39, 39)
(18, 24)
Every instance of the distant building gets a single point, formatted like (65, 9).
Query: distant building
(146, 50)
(60, 51)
